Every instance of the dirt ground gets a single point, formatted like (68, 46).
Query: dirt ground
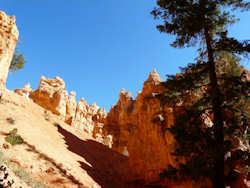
(55, 153)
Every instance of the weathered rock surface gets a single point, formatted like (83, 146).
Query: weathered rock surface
(25, 92)
(70, 108)
(8, 39)
(139, 130)
(51, 95)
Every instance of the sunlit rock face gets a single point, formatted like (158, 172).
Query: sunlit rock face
(51, 95)
(70, 108)
(8, 39)
(139, 130)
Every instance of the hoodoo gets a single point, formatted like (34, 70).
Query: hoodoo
(8, 39)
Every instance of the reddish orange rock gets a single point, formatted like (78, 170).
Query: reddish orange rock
(139, 130)
(51, 95)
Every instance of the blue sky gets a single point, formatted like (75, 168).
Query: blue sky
(96, 46)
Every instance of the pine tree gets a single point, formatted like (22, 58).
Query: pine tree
(203, 21)
(193, 128)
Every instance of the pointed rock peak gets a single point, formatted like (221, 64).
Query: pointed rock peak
(42, 78)
(128, 94)
(73, 93)
(101, 110)
(58, 78)
(152, 84)
(82, 100)
(93, 105)
(27, 86)
(125, 94)
(154, 76)
(122, 91)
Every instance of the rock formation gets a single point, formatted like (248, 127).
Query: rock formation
(70, 108)
(139, 130)
(53, 96)
(8, 39)
(25, 92)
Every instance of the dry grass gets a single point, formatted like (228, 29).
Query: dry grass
(20, 173)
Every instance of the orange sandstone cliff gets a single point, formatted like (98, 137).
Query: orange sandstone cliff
(139, 130)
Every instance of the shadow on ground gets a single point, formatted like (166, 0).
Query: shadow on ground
(107, 167)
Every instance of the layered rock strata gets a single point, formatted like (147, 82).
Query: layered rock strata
(8, 39)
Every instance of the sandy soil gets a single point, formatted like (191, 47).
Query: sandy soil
(56, 153)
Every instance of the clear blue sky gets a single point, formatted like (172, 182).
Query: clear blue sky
(96, 46)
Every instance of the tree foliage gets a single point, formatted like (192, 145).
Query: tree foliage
(212, 88)
(193, 128)
(17, 62)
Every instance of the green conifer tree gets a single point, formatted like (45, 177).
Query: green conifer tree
(17, 62)
(204, 148)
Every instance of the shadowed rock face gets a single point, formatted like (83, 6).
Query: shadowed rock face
(8, 39)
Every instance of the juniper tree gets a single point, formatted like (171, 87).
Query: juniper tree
(204, 22)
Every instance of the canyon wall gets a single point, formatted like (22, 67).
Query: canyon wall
(139, 130)
(8, 39)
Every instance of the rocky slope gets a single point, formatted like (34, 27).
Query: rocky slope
(55, 153)
(53, 96)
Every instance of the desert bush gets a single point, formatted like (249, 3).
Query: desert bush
(13, 138)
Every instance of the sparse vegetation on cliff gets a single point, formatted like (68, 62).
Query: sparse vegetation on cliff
(17, 62)
(19, 173)
(13, 138)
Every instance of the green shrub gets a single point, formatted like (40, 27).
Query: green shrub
(13, 138)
